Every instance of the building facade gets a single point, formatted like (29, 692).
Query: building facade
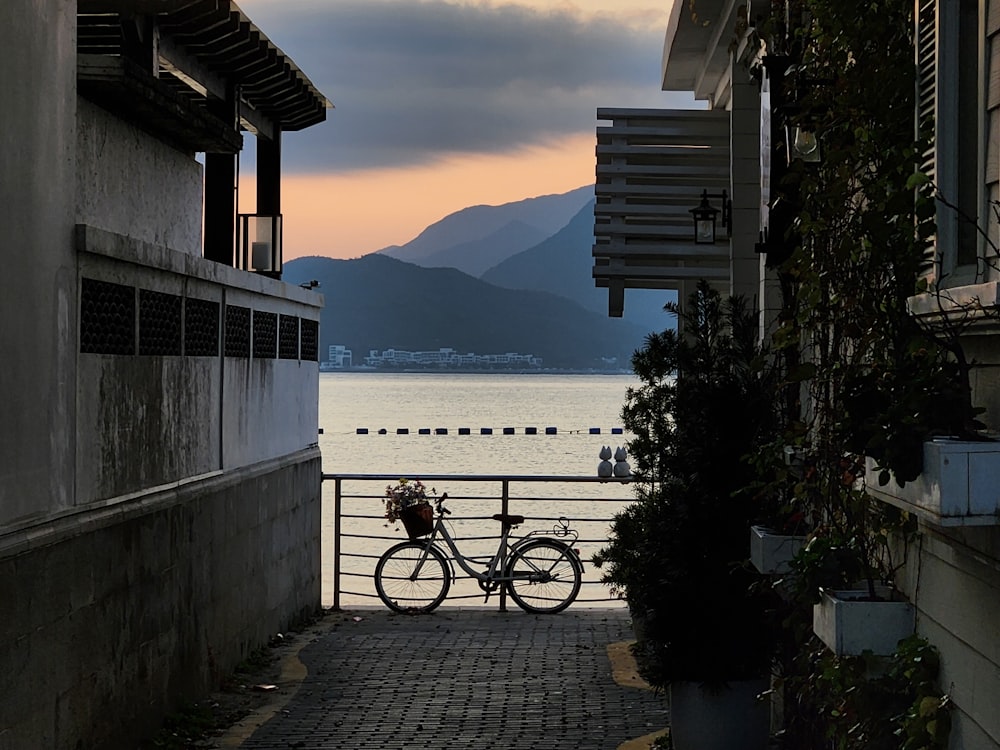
(159, 469)
(951, 568)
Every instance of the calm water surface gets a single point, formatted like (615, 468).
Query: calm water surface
(573, 404)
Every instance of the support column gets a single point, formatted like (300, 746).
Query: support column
(220, 191)
(269, 175)
(745, 265)
(220, 207)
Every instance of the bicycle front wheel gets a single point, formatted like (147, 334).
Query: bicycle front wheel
(411, 577)
(545, 576)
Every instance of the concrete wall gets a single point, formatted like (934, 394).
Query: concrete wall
(137, 566)
(107, 627)
(146, 420)
(273, 404)
(130, 183)
(38, 284)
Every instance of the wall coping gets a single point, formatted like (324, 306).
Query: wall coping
(37, 533)
(95, 241)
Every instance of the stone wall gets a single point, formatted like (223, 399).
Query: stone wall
(110, 625)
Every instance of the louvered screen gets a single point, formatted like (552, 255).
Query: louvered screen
(927, 65)
(927, 76)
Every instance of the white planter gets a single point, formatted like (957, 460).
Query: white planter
(770, 552)
(959, 486)
(849, 624)
(730, 718)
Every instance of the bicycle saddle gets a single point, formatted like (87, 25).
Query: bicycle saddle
(509, 520)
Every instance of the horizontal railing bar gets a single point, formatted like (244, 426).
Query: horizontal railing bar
(512, 493)
(517, 498)
(493, 498)
(590, 584)
(478, 478)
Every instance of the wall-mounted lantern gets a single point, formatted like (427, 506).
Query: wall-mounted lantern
(802, 144)
(705, 218)
(259, 244)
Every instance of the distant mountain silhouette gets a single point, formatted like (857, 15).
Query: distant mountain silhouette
(546, 213)
(562, 264)
(476, 256)
(378, 302)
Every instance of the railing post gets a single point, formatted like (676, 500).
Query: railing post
(336, 543)
(504, 508)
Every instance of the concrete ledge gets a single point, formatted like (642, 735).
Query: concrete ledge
(112, 245)
(34, 534)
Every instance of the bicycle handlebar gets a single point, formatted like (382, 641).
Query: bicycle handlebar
(442, 511)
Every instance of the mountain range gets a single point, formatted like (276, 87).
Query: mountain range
(489, 280)
(465, 238)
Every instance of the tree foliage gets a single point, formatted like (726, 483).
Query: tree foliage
(678, 554)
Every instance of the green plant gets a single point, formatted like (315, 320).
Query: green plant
(878, 383)
(678, 555)
(892, 408)
(866, 702)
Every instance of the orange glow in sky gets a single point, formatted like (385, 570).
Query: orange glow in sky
(430, 117)
(349, 215)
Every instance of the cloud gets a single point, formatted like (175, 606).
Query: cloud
(415, 82)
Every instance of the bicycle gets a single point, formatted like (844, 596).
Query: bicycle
(541, 574)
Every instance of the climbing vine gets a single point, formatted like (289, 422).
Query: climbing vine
(862, 378)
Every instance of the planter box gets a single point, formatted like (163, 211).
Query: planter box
(771, 552)
(725, 719)
(849, 624)
(959, 486)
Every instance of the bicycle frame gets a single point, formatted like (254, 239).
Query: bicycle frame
(490, 576)
(494, 574)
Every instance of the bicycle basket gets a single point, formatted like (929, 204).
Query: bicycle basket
(418, 520)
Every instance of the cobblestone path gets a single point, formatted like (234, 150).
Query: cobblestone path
(464, 678)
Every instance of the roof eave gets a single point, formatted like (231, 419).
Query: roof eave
(696, 47)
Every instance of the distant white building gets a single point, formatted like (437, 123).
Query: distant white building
(339, 357)
(446, 357)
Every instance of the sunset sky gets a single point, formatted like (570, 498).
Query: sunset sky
(441, 105)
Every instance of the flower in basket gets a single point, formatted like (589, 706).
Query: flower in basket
(406, 493)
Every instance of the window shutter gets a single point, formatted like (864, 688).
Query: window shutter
(926, 37)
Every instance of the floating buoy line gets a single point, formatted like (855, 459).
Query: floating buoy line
(483, 431)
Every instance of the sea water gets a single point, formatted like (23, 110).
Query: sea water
(572, 404)
(371, 424)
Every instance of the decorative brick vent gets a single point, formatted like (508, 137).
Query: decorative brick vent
(159, 323)
(237, 331)
(288, 337)
(265, 335)
(201, 328)
(309, 331)
(107, 318)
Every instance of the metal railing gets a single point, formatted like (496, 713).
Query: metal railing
(360, 533)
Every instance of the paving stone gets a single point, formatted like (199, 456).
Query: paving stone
(464, 678)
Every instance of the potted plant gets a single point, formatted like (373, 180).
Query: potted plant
(678, 554)
(772, 551)
(407, 501)
(862, 618)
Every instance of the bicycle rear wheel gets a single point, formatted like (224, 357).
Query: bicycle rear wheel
(545, 576)
(403, 587)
